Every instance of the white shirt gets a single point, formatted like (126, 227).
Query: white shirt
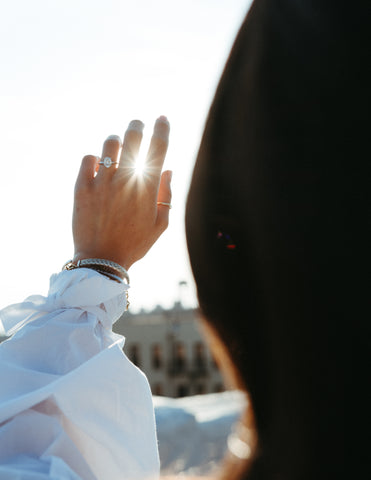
(72, 406)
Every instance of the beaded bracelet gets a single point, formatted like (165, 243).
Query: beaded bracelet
(110, 269)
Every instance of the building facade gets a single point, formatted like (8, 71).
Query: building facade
(168, 347)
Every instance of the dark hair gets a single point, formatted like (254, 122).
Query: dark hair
(269, 226)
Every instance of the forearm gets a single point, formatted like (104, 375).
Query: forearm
(68, 391)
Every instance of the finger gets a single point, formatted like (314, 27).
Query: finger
(87, 171)
(158, 146)
(164, 196)
(132, 140)
(110, 152)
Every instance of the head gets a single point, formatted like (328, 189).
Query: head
(267, 225)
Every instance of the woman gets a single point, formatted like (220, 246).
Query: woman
(270, 231)
(71, 404)
(268, 219)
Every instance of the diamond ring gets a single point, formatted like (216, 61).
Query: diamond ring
(107, 162)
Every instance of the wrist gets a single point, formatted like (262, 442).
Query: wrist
(106, 267)
(83, 255)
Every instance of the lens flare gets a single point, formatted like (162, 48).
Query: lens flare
(140, 165)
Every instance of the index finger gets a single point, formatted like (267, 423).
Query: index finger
(158, 146)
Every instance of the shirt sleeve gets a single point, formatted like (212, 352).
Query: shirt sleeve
(71, 403)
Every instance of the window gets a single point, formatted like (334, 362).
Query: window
(219, 387)
(199, 356)
(214, 363)
(134, 354)
(200, 389)
(179, 360)
(182, 391)
(157, 358)
(158, 389)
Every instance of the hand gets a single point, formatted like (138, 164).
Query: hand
(116, 216)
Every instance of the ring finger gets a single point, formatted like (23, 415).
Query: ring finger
(108, 162)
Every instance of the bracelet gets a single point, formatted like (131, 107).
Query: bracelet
(110, 269)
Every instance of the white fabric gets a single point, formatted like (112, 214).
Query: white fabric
(72, 406)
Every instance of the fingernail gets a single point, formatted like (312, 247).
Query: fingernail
(162, 128)
(163, 119)
(169, 175)
(136, 125)
(116, 138)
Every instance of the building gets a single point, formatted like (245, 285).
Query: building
(168, 346)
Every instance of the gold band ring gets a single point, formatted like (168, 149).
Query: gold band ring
(165, 204)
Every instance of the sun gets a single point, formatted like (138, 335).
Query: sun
(140, 165)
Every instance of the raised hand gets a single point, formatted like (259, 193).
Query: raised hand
(120, 213)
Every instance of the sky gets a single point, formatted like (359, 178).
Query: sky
(73, 72)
